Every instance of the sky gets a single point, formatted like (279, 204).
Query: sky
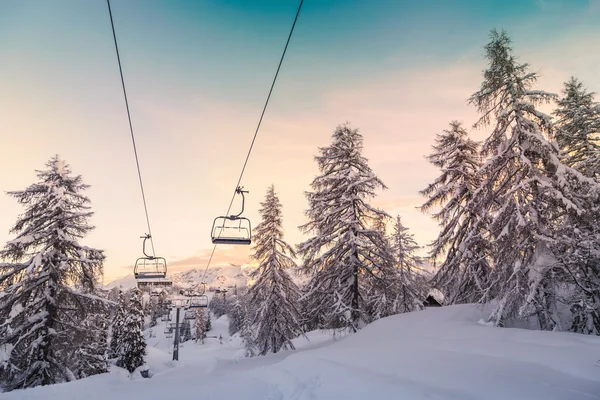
(197, 75)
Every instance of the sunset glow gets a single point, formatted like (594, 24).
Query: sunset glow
(197, 75)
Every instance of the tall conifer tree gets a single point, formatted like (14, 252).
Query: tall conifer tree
(525, 188)
(274, 296)
(463, 273)
(578, 129)
(349, 262)
(48, 279)
(132, 346)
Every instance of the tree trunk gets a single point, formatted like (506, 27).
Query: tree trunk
(355, 294)
(52, 311)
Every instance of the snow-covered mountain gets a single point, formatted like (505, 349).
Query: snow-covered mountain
(219, 276)
(223, 276)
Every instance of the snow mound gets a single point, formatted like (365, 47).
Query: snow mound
(438, 353)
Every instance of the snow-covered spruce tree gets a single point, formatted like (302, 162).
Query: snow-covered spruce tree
(463, 273)
(247, 332)
(578, 268)
(208, 321)
(380, 224)
(200, 325)
(274, 295)
(409, 289)
(185, 331)
(346, 258)
(578, 129)
(236, 317)
(117, 325)
(527, 191)
(90, 356)
(219, 305)
(132, 345)
(578, 136)
(47, 279)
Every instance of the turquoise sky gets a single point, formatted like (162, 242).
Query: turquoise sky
(198, 72)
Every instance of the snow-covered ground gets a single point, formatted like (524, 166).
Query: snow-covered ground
(442, 353)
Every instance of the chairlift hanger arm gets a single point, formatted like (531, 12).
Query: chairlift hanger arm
(240, 190)
(146, 237)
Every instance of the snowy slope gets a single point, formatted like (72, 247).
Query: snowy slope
(441, 353)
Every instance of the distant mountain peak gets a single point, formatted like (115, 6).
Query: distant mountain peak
(217, 276)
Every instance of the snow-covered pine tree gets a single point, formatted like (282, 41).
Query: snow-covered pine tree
(185, 331)
(527, 191)
(578, 268)
(219, 305)
(132, 344)
(403, 291)
(236, 317)
(117, 326)
(275, 296)
(47, 278)
(409, 289)
(90, 356)
(380, 224)
(578, 253)
(200, 325)
(208, 321)
(578, 129)
(247, 333)
(345, 249)
(463, 273)
(404, 248)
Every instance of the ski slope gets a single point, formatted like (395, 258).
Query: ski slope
(442, 353)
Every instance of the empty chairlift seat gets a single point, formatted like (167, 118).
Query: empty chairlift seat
(232, 229)
(149, 267)
(189, 314)
(198, 301)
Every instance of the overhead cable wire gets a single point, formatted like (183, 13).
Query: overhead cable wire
(257, 128)
(137, 162)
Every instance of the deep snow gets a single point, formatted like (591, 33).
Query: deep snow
(442, 353)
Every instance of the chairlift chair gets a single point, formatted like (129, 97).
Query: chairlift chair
(149, 267)
(189, 315)
(198, 301)
(232, 229)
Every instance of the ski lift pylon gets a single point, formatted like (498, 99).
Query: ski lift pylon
(232, 229)
(149, 267)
